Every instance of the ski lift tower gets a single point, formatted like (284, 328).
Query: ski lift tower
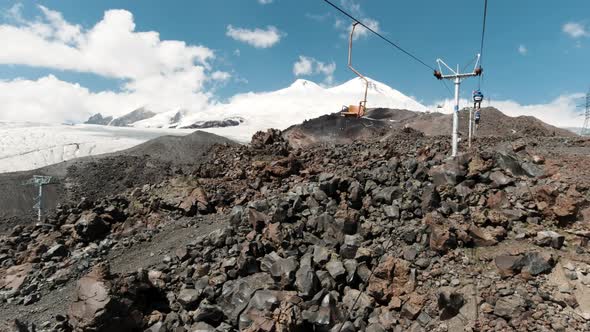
(39, 181)
(457, 77)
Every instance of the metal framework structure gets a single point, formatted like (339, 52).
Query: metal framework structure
(457, 77)
(39, 181)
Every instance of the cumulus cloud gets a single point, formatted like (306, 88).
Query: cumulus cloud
(560, 112)
(522, 50)
(346, 26)
(158, 74)
(259, 38)
(265, 2)
(306, 66)
(220, 76)
(575, 30)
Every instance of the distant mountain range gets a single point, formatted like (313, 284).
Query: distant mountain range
(247, 113)
(126, 120)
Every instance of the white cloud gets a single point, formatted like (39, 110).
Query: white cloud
(237, 52)
(159, 74)
(327, 70)
(220, 76)
(575, 30)
(259, 38)
(265, 2)
(346, 26)
(306, 66)
(522, 50)
(560, 112)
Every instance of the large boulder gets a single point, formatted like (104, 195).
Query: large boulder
(236, 294)
(90, 226)
(270, 310)
(452, 172)
(531, 263)
(106, 302)
(15, 277)
(93, 301)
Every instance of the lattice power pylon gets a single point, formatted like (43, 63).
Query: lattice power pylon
(39, 181)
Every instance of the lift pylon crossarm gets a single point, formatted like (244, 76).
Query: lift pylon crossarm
(477, 70)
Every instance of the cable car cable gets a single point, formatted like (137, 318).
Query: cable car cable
(379, 35)
(483, 33)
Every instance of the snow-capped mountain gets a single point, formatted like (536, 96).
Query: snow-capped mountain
(126, 120)
(244, 114)
(25, 146)
(301, 101)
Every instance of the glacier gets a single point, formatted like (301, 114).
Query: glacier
(26, 146)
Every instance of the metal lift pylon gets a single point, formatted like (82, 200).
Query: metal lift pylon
(457, 77)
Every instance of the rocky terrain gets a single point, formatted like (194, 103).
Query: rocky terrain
(381, 122)
(94, 177)
(385, 233)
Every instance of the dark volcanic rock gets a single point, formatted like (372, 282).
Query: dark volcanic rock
(91, 227)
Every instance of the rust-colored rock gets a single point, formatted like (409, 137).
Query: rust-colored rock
(15, 276)
(480, 237)
(92, 301)
(442, 239)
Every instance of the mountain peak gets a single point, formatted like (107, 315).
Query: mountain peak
(304, 84)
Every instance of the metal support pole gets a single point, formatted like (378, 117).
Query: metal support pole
(40, 201)
(455, 140)
(470, 124)
(457, 76)
(39, 181)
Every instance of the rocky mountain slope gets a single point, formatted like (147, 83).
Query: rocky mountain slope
(96, 176)
(382, 122)
(383, 234)
(123, 121)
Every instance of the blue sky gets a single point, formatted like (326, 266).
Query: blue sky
(532, 55)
